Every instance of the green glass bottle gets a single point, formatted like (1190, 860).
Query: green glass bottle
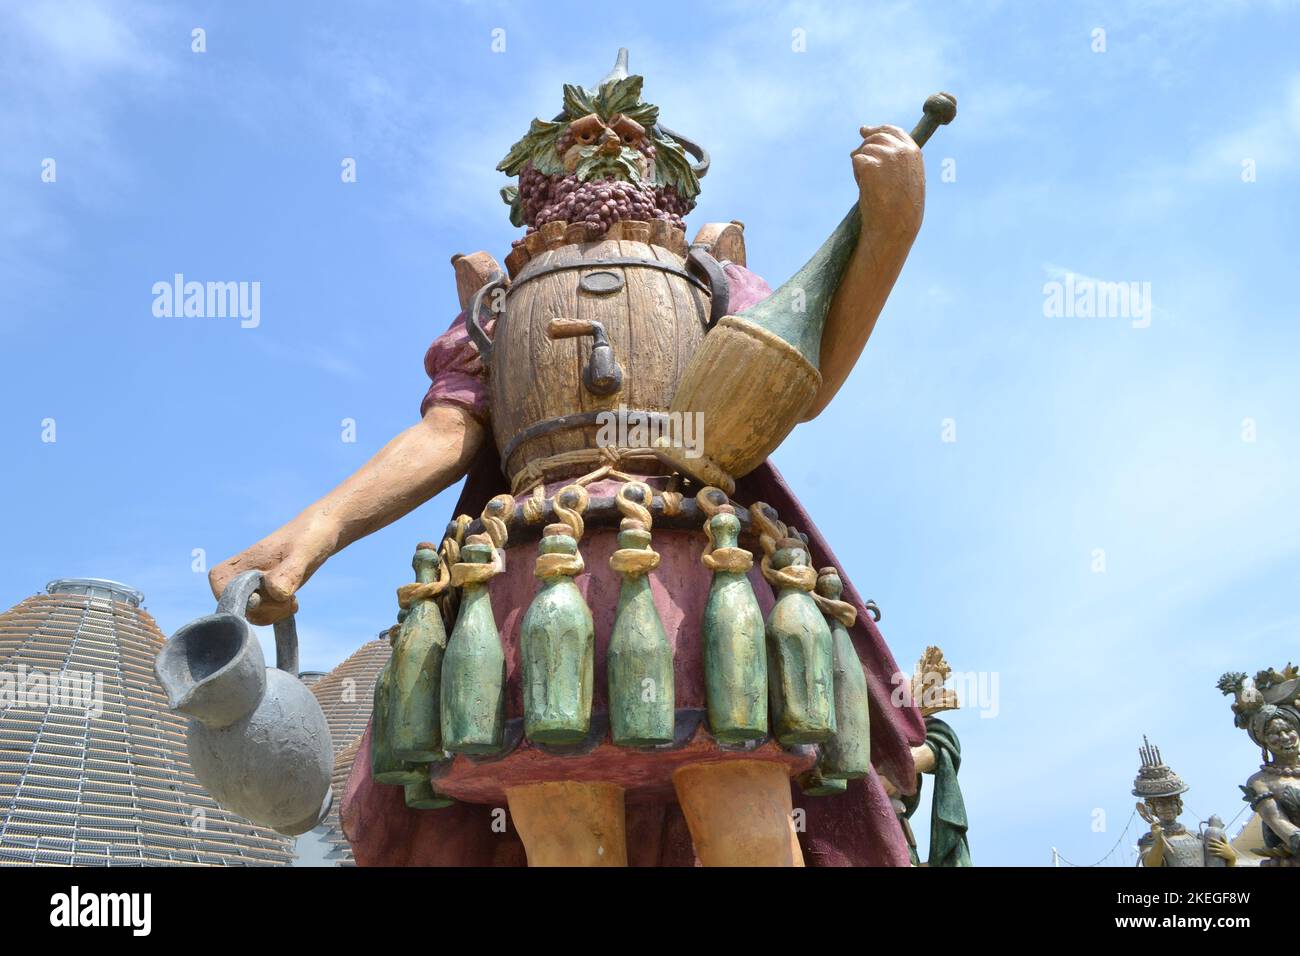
(800, 671)
(385, 766)
(735, 659)
(815, 783)
(557, 642)
(474, 667)
(423, 796)
(417, 671)
(642, 696)
(847, 754)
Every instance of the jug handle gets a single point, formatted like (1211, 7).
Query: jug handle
(234, 600)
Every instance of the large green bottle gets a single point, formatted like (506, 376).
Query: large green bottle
(815, 783)
(735, 660)
(557, 646)
(800, 670)
(847, 754)
(474, 667)
(417, 671)
(423, 796)
(642, 696)
(385, 766)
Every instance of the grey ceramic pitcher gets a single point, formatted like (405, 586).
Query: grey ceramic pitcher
(258, 739)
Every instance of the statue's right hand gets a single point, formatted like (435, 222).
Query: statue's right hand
(286, 558)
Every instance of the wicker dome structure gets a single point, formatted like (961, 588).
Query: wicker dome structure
(93, 766)
(346, 694)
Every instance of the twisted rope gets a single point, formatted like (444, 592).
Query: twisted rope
(572, 514)
(493, 524)
(635, 510)
(842, 611)
(409, 594)
(469, 572)
(535, 505)
(772, 534)
(634, 562)
(450, 550)
(736, 560)
(570, 565)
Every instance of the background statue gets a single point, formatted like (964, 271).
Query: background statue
(1268, 709)
(1168, 843)
(940, 756)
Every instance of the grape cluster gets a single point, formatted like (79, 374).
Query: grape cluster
(600, 202)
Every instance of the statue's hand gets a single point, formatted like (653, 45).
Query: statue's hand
(891, 178)
(286, 558)
(1222, 849)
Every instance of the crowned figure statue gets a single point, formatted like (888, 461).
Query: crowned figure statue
(631, 635)
(1268, 709)
(1168, 842)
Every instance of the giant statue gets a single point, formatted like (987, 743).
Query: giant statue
(631, 636)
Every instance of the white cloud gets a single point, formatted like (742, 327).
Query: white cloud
(65, 68)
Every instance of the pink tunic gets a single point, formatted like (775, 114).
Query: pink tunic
(856, 828)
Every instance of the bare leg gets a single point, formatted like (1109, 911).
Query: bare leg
(569, 823)
(739, 813)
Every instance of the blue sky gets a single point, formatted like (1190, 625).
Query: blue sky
(1072, 434)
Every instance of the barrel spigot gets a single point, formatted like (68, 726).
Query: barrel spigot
(603, 375)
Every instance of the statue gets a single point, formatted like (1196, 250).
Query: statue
(717, 687)
(1268, 709)
(939, 756)
(1168, 843)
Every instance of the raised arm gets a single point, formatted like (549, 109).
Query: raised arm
(409, 470)
(891, 196)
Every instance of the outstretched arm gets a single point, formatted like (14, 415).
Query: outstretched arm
(409, 470)
(891, 196)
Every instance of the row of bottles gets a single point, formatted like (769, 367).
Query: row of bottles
(796, 670)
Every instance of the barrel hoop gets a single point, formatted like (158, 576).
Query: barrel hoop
(528, 275)
(576, 420)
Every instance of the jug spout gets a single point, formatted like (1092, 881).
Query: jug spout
(213, 670)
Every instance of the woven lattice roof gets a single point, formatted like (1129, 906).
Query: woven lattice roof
(108, 784)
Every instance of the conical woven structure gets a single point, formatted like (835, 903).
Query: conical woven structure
(93, 766)
(346, 694)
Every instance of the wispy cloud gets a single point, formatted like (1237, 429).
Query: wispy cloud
(65, 68)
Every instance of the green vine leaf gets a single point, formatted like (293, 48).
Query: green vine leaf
(578, 102)
(673, 167)
(619, 96)
(536, 147)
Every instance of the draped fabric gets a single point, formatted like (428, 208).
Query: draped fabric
(948, 825)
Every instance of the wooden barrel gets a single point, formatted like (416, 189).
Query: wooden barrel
(545, 420)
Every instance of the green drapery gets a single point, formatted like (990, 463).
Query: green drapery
(948, 845)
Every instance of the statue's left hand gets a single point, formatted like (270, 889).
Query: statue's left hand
(891, 178)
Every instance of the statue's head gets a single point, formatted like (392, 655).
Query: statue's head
(1166, 809)
(1280, 734)
(603, 158)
